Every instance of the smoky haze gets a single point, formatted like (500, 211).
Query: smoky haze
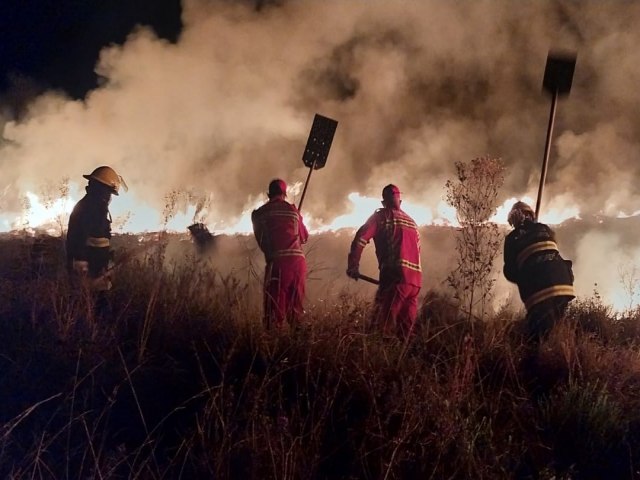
(415, 87)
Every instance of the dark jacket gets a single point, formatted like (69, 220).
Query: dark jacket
(89, 234)
(533, 262)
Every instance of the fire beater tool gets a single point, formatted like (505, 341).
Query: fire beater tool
(315, 156)
(368, 279)
(318, 146)
(558, 75)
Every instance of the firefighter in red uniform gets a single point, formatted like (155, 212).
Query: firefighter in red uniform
(88, 243)
(533, 262)
(397, 243)
(280, 233)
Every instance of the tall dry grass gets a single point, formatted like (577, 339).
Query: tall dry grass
(179, 380)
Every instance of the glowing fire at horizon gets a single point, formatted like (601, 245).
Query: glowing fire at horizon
(44, 214)
(131, 216)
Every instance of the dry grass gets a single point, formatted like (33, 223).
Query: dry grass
(179, 380)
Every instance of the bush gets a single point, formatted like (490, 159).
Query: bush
(180, 380)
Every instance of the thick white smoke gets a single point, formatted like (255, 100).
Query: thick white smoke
(415, 87)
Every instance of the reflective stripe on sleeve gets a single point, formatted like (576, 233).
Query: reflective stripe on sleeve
(536, 247)
(411, 265)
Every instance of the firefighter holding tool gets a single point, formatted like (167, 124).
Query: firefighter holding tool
(280, 233)
(397, 242)
(533, 262)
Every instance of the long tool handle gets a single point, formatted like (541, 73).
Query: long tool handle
(306, 184)
(369, 279)
(547, 148)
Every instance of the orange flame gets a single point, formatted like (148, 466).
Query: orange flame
(145, 218)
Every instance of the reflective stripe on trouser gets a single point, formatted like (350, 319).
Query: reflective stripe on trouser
(284, 285)
(396, 308)
(550, 292)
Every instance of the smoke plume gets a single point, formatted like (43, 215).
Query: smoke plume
(415, 87)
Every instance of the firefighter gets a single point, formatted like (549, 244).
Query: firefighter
(397, 242)
(88, 244)
(280, 233)
(533, 262)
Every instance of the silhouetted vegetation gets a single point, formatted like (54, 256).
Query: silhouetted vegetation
(178, 379)
(474, 196)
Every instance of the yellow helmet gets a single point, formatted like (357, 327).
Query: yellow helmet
(109, 177)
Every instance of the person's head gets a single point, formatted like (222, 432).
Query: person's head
(277, 188)
(391, 196)
(105, 181)
(519, 213)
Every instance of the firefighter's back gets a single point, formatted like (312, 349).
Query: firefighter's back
(398, 248)
(277, 230)
(541, 272)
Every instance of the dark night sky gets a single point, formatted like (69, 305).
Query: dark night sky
(55, 43)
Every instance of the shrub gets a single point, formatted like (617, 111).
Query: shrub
(181, 381)
(474, 196)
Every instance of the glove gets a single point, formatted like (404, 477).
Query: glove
(353, 272)
(101, 284)
(80, 267)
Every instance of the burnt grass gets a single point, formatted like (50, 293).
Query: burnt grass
(176, 378)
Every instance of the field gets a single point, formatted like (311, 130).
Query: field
(178, 379)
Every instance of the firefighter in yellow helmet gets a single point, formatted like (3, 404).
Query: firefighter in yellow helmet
(88, 244)
(533, 262)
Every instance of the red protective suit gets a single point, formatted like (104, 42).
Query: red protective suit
(397, 243)
(280, 233)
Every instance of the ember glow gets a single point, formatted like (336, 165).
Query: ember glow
(616, 280)
(551, 216)
(361, 208)
(38, 214)
(221, 111)
(140, 217)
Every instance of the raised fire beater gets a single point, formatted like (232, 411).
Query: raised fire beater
(397, 242)
(533, 262)
(280, 233)
(88, 243)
